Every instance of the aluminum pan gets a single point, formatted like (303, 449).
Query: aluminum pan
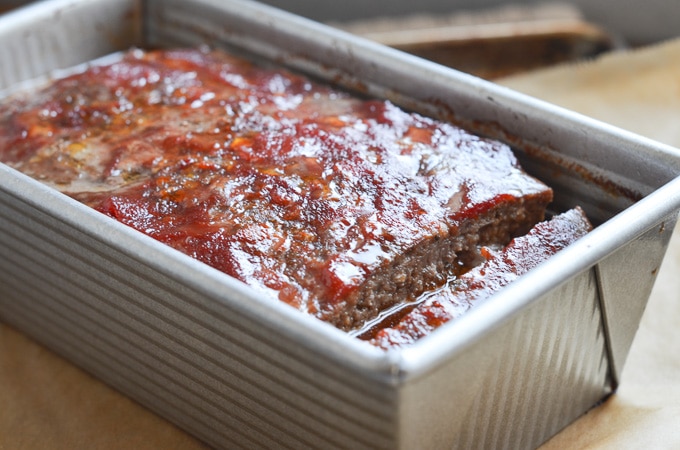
(36, 43)
(629, 162)
(166, 332)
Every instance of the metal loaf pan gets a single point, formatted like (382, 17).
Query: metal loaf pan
(236, 370)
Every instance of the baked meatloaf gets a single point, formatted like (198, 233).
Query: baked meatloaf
(499, 269)
(337, 205)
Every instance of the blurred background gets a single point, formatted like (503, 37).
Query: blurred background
(494, 38)
(640, 22)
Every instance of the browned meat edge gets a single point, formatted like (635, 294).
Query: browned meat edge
(500, 268)
(429, 264)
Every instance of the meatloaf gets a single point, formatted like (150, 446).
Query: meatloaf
(447, 303)
(338, 205)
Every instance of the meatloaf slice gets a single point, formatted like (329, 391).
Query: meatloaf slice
(336, 205)
(500, 268)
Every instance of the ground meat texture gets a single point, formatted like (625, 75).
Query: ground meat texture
(500, 268)
(336, 205)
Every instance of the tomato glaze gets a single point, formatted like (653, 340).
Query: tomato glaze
(500, 268)
(296, 188)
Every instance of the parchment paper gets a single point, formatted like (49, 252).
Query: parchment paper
(47, 403)
(638, 91)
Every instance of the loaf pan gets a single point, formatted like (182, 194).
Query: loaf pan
(236, 370)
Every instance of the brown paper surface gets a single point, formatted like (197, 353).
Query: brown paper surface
(640, 92)
(46, 402)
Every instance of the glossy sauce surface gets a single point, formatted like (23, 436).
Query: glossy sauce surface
(501, 268)
(300, 190)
